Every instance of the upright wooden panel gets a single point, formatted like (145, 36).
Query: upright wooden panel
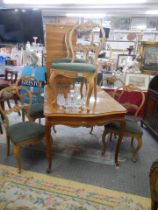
(55, 42)
(151, 108)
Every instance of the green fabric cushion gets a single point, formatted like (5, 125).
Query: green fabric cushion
(79, 67)
(36, 110)
(68, 60)
(24, 131)
(132, 126)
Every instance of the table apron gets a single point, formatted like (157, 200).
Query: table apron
(83, 121)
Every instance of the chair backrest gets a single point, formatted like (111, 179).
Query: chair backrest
(10, 93)
(33, 85)
(11, 75)
(131, 97)
(88, 42)
(68, 49)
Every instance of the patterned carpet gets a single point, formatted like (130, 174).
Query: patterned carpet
(30, 191)
(78, 143)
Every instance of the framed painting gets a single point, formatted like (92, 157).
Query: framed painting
(139, 80)
(149, 57)
(124, 60)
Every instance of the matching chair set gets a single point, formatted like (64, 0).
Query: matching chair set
(72, 68)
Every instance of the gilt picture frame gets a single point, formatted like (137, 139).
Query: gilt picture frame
(149, 57)
(139, 80)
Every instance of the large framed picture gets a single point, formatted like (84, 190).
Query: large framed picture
(139, 80)
(149, 57)
(124, 60)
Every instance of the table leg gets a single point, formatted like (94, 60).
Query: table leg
(121, 134)
(48, 147)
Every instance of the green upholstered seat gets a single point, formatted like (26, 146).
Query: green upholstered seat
(79, 67)
(36, 110)
(68, 60)
(131, 126)
(24, 131)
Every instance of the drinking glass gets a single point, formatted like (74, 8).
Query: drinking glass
(60, 100)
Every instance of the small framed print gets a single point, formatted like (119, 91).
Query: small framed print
(123, 60)
(139, 80)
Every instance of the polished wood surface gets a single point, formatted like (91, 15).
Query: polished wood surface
(101, 111)
(154, 185)
(104, 104)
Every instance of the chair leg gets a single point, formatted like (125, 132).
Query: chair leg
(95, 88)
(139, 144)
(132, 141)
(90, 89)
(91, 130)
(54, 129)
(8, 103)
(110, 136)
(23, 115)
(104, 142)
(1, 130)
(16, 150)
(8, 145)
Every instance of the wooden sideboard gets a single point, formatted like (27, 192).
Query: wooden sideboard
(151, 107)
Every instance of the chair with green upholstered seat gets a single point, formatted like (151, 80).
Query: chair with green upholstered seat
(35, 86)
(18, 132)
(84, 66)
(132, 125)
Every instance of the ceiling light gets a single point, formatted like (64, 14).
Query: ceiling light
(37, 2)
(90, 15)
(152, 12)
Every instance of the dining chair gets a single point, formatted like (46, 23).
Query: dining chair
(87, 51)
(35, 86)
(132, 124)
(19, 133)
(153, 181)
(109, 80)
(8, 78)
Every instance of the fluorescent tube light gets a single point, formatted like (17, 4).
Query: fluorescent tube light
(152, 12)
(90, 15)
(46, 2)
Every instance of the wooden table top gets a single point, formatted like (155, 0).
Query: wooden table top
(105, 105)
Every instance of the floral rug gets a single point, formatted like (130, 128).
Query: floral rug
(34, 191)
